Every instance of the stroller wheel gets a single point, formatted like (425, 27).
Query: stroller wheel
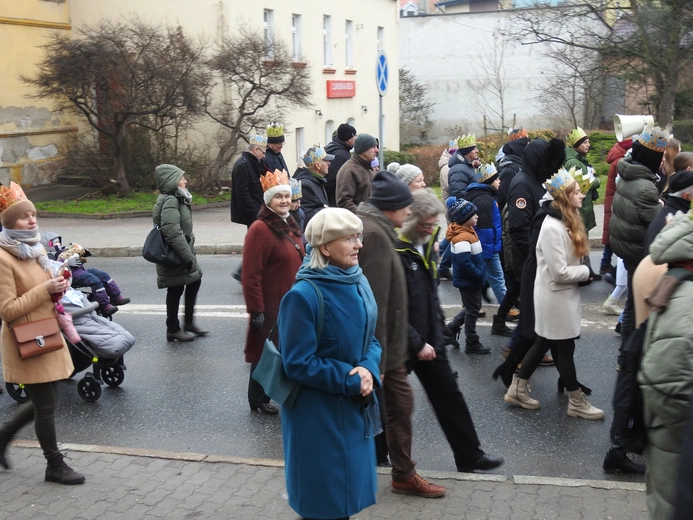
(17, 392)
(113, 376)
(88, 389)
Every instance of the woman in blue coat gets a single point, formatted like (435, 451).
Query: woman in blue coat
(329, 451)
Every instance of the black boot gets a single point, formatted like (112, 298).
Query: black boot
(23, 416)
(499, 328)
(191, 327)
(58, 471)
(617, 461)
(455, 326)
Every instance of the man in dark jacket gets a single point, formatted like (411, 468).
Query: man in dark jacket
(340, 147)
(679, 201)
(313, 181)
(385, 210)
(246, 191)
(274, 160)
(427, 354)
(462, 166)
(509, 165)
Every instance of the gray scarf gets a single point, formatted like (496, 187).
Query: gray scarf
(24, 244)
(187, 196)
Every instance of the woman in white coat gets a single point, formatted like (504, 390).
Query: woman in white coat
(560, 245)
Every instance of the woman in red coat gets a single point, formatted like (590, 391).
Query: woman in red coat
(617, 152)
(272, 253)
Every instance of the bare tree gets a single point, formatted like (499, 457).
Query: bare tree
(414, 109)
(121, 73)
(652, 43)
(257, 82)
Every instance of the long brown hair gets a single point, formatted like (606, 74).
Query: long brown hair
(572, 220)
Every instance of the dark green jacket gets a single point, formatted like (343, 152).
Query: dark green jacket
(174, 214)
(579, 161)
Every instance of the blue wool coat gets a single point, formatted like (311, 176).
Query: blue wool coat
(329, 452)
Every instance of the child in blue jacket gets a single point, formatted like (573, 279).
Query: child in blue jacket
(469, 271)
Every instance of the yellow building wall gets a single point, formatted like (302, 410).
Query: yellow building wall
(32, 135)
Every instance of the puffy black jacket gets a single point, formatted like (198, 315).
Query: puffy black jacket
(246, 191)
(508, 166)
(673, 206)
(314, 196)
(460, 176)
(342, 153)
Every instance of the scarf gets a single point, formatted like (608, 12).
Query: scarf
(278, 224)
(182, 192)
(24, 244)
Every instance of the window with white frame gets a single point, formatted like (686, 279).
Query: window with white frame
(349, 35)
(300, 144)
(329, 129)
(327, 40)
(268, 25)
(296, 36)
(381, 38)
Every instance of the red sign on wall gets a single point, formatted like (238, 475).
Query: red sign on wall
(341, 88)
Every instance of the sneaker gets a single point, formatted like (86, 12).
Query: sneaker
(513, 315)
(419, 486)
(546, 361)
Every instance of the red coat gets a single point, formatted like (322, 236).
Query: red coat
(617, 152)
(270, 264)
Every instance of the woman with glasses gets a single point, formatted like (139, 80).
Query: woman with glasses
(326, 334)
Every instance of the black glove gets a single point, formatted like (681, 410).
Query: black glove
(257, 320)
(589, 280)
(188, 266)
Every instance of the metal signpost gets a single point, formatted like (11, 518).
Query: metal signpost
(381, 77)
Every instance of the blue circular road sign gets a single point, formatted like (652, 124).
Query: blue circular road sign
(381, 74)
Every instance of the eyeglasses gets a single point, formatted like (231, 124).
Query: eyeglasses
(354, 240)
(427, 227)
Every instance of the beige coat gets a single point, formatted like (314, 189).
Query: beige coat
(23, 299)
(558, 312)
(645, 279)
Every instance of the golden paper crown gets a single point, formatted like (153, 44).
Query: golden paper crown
(10, 195)
(584, 179)
(560, 181)
(275, 130)
(653, 138)
(518, 134)
(466, 141)
(575, 136)
(273, 179)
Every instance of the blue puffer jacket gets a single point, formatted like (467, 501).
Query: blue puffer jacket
(460, 176)
(489, 227)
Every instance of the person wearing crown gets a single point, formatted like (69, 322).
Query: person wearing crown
(314, 181)
(27, 286)
(296, 210)
(462, 165)
(274, 160)
(561, 243)
(272, 253)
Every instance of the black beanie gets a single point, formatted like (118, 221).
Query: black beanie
(345, 132)
(680, 181)
(389, 193)
(648, 158)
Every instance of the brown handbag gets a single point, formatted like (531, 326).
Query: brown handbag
(38, 337)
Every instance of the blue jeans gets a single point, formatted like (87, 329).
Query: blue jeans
(446, 256)
(494, 276)
(606, 256)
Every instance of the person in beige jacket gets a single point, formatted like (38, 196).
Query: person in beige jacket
(26, 287)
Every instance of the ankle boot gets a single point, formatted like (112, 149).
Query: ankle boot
(610, 306)
(115, 294)
(179, 336)
(191, 327)
(579, 406)
(499, 328)
(23, 416)
(455, 326)
(119, 300)
(518, 394)
(58, 471)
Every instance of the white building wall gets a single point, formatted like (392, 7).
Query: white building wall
(208, 17)
(451, 54)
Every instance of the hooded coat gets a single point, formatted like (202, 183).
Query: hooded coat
(328, 446)
(673, 206)
(617, 152)
(488, 228)
(444, 174)
(173, 213)
(342, 153)
(508, 166)
(666, 371)
(636, 204)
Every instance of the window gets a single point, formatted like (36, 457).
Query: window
(349, 29)
(268, 24)
(327, 40)
(329, 129)
(300, 145)
(352, 122)
(296, 36)
(381, 38)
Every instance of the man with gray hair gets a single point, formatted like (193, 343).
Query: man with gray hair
(417, 249)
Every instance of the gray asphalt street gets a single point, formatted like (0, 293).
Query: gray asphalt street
(192, 397)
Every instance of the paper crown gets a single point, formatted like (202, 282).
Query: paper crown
(313, 155)
(10, 195)
(584, 179)
(485, 172)
(452, 144)
(257, 140)
(466, 141)
(515, 133)
(273, 179)
(575, 135)
(296, 192)
(275, 130)
(560, 181)
(653, 138)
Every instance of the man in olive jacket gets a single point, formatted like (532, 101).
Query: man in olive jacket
(385, 210)
(355, 176)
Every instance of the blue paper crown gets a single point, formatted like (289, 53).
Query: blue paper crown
(485, 171)
(314, 155)
(296, 192)
(560, 181)
(258, 140)
(653, 138)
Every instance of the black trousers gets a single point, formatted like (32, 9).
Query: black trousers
(563, 351)
(440, 384)
(41, 410)
(471, 299)
(512, 293)
(628, 321)
(256, 394)
(173, 304)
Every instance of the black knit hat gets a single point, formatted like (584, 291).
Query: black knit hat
(389, 193)
(680, 181)
(651, 159)
(346, 132)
